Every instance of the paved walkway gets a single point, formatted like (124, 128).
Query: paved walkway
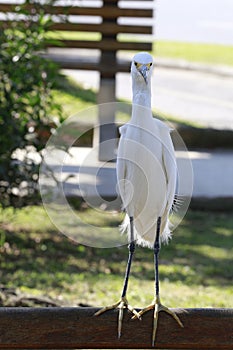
(212, 174)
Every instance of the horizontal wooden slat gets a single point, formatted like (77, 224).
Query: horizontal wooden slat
(115, 12)
(8, 7)
(107, 12)
(89, 63)
(77, 328)
(104, 45)
(103, 28)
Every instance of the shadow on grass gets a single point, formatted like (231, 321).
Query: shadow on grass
(199, 253)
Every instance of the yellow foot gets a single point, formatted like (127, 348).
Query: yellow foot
(157, 307)
(121, 305)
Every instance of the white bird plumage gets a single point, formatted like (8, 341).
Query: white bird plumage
(146, 163)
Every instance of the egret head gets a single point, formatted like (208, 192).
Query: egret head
(141, 67)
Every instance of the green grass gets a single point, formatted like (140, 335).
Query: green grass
(195, 270)
(195, 52)
(62, 35)
(73, 97)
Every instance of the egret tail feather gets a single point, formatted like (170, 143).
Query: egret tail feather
(146, 240)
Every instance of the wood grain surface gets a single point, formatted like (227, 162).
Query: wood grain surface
(78, 328)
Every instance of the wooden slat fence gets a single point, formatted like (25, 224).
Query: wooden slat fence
(109, 28)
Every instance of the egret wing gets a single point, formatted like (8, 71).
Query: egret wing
(169, 165)
(121, 166)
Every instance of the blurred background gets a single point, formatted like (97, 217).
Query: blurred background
(192, 45)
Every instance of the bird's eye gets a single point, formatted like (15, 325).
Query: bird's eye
(137, 65)
(149, 65)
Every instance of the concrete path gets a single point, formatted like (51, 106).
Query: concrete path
(212, 174)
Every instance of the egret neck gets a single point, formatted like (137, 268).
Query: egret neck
(141, 108)
(141, 92)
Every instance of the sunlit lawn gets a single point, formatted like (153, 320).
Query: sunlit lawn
(195, 52)
(196, 268)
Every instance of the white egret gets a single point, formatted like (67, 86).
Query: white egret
(147, 175)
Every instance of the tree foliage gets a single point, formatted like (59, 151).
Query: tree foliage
(26, 101)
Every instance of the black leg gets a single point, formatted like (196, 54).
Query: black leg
(131, 252)
(156, 257)
(156, 305)
(123, 303)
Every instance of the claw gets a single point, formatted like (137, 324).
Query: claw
(157, 307)
(155, 323)
(121, 305)
(134, 312)
(120, 318)
(106, 308)
(168, 311)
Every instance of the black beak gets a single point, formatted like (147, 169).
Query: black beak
(144, 72)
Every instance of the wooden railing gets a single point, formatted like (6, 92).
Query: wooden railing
(78, 328)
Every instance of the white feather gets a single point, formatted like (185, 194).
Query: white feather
(146, 166)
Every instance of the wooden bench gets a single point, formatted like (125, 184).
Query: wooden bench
(110, 14)
(77, 328)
